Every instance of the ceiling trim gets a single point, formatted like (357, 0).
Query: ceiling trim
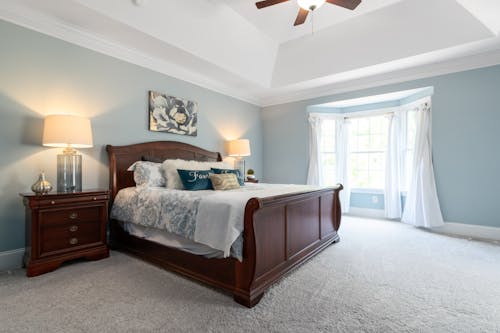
(72, 34)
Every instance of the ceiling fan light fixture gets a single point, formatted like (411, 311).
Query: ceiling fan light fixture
(310, 4)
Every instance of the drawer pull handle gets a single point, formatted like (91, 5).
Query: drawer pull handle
(52, 202)
(73, 241)
(94, 198)
(73, 228)
(73, 216)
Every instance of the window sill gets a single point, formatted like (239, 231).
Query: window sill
(367, 190)
(374, 191)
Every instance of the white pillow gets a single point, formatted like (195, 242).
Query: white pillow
(170, 170)
(147, 174)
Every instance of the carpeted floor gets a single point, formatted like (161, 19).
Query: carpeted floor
(381, 277)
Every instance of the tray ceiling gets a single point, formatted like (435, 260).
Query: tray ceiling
(258, 56)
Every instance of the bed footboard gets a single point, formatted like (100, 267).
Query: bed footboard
(281, 233)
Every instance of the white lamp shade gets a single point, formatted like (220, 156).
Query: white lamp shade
(67, 131)
(239, 148)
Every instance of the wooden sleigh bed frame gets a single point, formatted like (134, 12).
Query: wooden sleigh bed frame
(280, 232)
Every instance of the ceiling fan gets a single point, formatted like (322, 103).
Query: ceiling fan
(307, 6)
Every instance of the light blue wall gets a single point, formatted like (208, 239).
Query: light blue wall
(465, 131)
(40, 75)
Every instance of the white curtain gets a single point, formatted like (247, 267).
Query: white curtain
(342, 165)
(392, 196)
(422, 203)
(315, 172)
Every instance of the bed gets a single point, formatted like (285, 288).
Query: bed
(279, 232)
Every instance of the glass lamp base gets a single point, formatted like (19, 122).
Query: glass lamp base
(69, 173)
(240, 165)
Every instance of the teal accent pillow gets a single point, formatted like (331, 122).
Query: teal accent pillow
(195, 180)
(237, 172)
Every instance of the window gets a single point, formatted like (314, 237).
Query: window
(328, 151)
(368, 146)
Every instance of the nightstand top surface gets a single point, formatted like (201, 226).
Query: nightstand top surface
(56, 194)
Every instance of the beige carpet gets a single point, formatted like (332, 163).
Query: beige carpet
(382, 277)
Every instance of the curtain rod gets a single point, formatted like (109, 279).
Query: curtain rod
(368, 116)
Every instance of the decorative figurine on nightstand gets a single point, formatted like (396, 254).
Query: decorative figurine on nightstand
(41, 186)
(251, 176)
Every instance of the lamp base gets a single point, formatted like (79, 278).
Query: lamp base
(239, 164)
(69, 173)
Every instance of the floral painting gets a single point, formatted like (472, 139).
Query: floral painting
(172, 114)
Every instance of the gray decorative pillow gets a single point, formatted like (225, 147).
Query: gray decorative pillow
(224, 181)
(148, 174)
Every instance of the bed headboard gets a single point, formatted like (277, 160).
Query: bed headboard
(122, 157)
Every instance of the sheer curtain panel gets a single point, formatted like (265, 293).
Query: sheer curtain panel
(315, 172)
(422, 203)
(343, 170)
(392, 197)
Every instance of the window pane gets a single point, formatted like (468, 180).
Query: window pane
(363, 126)
(328, 165)
(328, 136)
(327, 149)
(363, 143)
(378, 142)
(377, 161)
(377, 179)
(368, 148)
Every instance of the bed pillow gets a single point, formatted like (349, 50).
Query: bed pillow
(237, 172)
(170, 170)
(195, 180)
(224, 181)
(148, 174)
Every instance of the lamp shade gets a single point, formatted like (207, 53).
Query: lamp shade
(67, 131)
(239, 148)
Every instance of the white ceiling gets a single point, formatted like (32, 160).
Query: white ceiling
(258, 56)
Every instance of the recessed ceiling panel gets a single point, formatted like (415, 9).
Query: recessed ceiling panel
(399, 31)
(277, 21)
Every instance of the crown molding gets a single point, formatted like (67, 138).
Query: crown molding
(50, 26)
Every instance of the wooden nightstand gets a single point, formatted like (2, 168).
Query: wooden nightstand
(64, 226)
(250, 180)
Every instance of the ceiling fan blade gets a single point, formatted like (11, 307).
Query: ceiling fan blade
(267, 3)
(301, 17)
(349, 4)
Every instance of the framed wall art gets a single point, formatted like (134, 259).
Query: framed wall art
(172, 114)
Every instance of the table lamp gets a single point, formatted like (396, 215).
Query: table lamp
(238, 149)
(69, 132)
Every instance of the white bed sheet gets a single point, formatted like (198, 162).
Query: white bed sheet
(171, 240)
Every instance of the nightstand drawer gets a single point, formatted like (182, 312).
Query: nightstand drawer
(56, 218)
(69, 201)
(68, 236)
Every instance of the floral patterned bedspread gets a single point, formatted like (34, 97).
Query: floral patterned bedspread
(174, 211)
(212, 218)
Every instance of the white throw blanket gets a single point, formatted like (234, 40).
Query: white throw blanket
(221, 215)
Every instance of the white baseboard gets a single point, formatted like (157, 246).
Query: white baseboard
(12, 259)
(472, 231)
(366, 212)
